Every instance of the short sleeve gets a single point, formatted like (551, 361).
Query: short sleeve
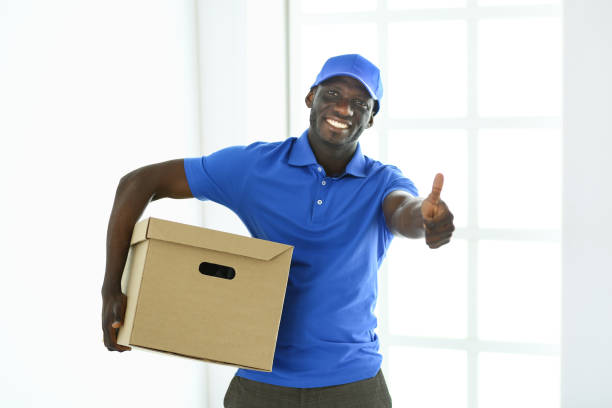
(395, 180)
(220, 176)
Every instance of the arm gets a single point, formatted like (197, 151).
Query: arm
(413, 217)
(136, 189)
(403, 214)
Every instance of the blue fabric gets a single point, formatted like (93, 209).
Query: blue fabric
(326, 335)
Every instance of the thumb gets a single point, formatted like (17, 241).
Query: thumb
(434, 196)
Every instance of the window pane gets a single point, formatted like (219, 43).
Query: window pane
(515, 2)
(337, 6)
(427, 378)
(519, 291)
(420, 154)
(519, 67)
(416, 4)
(513, 380)
(427, 69)
(519, 178)
(428, 289)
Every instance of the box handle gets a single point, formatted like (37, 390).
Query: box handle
(217, 271)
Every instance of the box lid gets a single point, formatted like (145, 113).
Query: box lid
(163, 230)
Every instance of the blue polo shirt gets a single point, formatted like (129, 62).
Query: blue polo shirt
(337, 227)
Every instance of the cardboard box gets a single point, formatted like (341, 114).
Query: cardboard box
(204, 294)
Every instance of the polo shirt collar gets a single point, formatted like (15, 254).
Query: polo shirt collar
(301, 155)
(356, 166)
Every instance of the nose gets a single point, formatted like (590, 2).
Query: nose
(343, 107)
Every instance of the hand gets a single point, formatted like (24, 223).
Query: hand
(437, 218)
(113, 312)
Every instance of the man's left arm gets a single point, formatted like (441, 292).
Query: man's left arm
(415, 217)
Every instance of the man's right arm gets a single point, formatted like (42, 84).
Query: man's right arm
(135, 191)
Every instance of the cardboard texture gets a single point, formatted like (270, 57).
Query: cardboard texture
(225, 317)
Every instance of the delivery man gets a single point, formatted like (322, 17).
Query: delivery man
(340, 211)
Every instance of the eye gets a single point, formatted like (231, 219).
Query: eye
(360, 103)
(332, 92)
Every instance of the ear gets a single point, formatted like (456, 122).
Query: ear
(310, 96)
(371, 121)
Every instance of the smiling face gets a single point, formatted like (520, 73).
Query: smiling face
(340, 110)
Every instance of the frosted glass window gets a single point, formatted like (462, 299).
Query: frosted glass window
(370, 143)
(337, 6)
(427, 378)
(420, 154)
(519, 178)
(519, 291)
(428, 289)
(516, 2)
(421, 4)
(513, 380)
(265, 83)
(519, 67)
(427, 69)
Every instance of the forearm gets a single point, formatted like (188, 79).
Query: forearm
(407, 220)
(131, 199)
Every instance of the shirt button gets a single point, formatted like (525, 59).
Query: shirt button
(319, 202)
(319, 169)
(324, 182)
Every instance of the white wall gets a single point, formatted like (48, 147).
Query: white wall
(587, 202)
(88, 91)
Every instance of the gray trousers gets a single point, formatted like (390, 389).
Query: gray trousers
(368, 393)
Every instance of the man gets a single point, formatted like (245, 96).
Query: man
(338, 208)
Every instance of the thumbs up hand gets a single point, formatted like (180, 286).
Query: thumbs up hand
(437, 218)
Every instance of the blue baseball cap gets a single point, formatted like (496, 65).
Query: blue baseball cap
(356, 66)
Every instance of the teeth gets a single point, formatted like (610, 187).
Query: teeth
(337, 124)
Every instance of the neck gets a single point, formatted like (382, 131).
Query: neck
(333, 158)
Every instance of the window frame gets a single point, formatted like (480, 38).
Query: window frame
(472, 13)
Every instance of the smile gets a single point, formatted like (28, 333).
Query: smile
(336, 124)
